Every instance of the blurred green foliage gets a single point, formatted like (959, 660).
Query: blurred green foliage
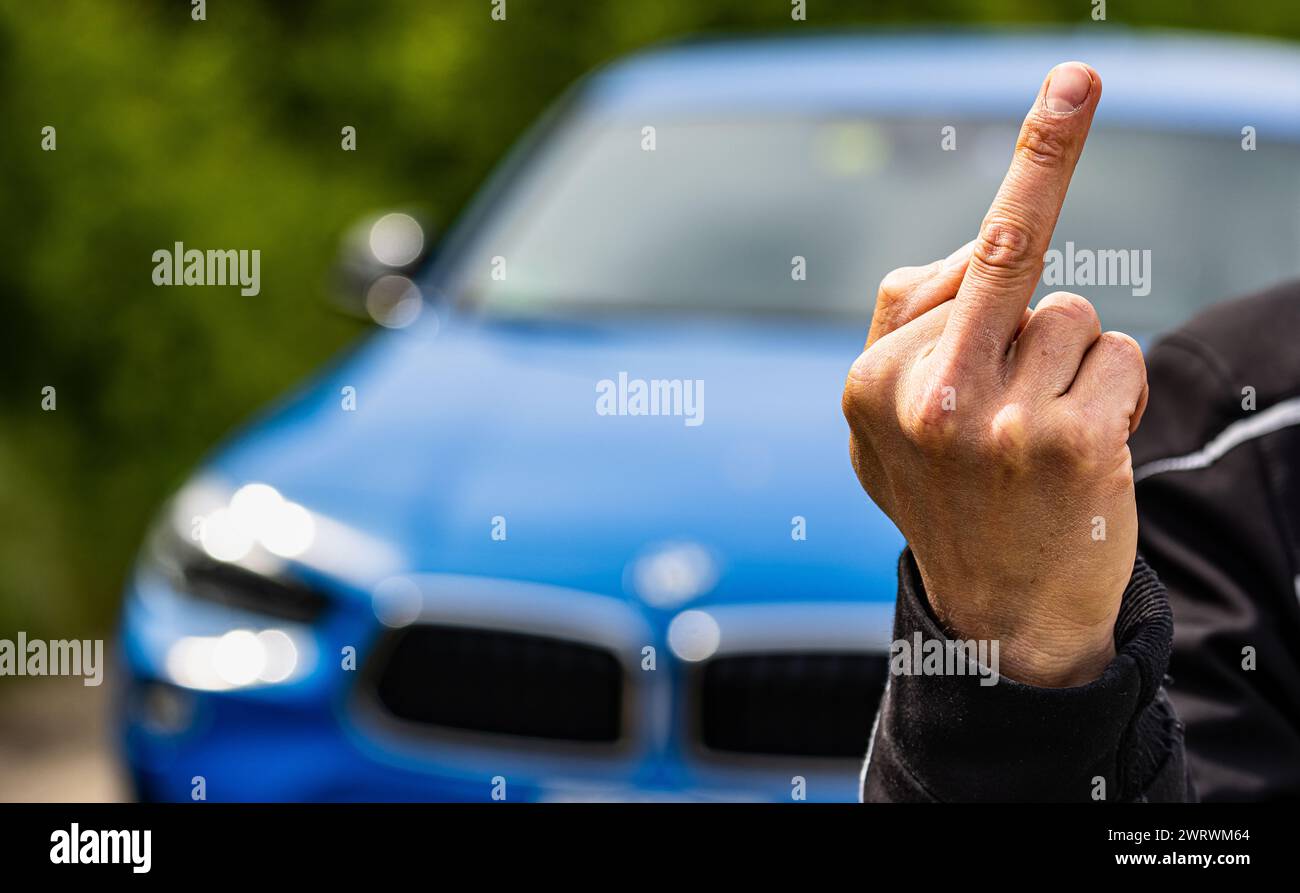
(225, 133)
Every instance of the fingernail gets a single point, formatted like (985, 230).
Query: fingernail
(1068, 87)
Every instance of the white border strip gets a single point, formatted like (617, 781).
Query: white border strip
(1283, 415)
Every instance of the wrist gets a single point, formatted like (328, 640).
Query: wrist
(1043, 647)
(1057, 665)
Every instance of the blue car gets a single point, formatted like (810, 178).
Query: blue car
(579, 523)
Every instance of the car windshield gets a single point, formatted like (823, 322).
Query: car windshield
(806, 214)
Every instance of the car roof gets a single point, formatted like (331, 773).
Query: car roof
(1152, 79)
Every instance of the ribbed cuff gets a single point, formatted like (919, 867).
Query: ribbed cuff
(956, 739)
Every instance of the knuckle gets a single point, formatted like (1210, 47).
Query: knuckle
(1005, 244)
(897, 284)
(1043, 143)
(863, 390)
(1124, 349)
(928, 417)
(1070, 308)
(853, 403)
(892, 284)
(1124, 364)
(1009, 435)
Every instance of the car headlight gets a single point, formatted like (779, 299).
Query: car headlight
(232, 547)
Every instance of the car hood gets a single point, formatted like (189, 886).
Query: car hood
(478, 449)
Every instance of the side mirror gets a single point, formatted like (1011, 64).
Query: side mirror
(377, 261)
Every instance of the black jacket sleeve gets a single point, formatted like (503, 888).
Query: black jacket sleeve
(948, 737)
(1217, 460)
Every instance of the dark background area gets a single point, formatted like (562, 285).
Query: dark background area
(225, 133)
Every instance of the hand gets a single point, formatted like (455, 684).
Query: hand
(996, 437)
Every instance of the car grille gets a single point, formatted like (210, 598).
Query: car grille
(502, 682)
(814, 704)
